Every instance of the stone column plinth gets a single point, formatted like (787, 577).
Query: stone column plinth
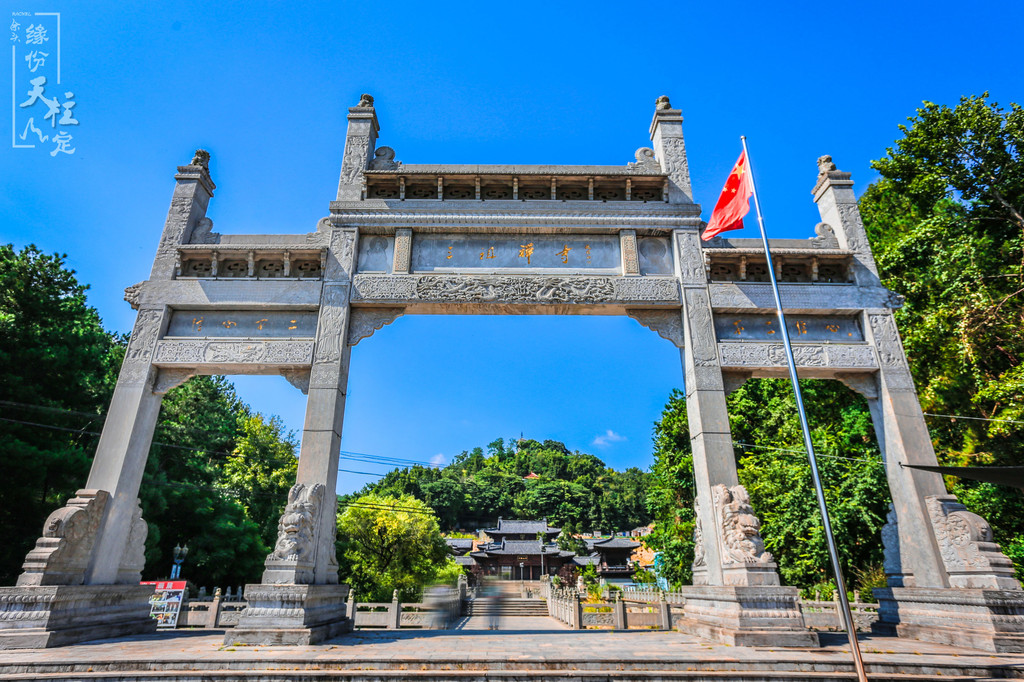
(990, 620)
(764, 615)
(40, 616)
(291, 614)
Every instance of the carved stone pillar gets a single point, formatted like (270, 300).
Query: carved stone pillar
(81, 580)
(359, 147)
(948, 582)
(736, 597)
(670, 150)
(299, 600)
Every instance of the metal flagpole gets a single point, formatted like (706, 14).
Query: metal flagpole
(851, 628)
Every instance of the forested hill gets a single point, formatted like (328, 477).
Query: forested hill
(572, 489)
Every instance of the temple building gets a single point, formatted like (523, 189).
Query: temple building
(518, 549)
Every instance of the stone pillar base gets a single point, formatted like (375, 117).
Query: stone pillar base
(36, 617)
(291, 614)
(759, 615)
(990, 620)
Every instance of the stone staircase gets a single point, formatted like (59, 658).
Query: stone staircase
(506, 607)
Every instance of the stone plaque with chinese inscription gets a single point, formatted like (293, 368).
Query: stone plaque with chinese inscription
(801, 328)
(242, 324)
(440, 253)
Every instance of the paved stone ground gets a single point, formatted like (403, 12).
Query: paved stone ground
(526, 644)
(509, 623)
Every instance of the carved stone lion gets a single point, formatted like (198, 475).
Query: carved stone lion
(295, 529)
(662, 103)
(201, 158)
(741, 529)
(825, 164)
(365, 101)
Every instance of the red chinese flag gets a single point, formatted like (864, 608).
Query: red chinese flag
(734, 203)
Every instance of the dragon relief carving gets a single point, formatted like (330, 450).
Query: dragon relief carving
(699, 553)
(354, 161)
(296, 531)
(741, 529)
(702, 330)
(62, 554)
(887, 340)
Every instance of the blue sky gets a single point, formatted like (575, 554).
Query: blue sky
(265, 86)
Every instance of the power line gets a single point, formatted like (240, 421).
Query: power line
(344, 454)
(980, 419)
(804, 454)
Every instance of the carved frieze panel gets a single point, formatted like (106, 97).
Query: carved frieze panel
(770, 355)
(516, 289)
(291, 352)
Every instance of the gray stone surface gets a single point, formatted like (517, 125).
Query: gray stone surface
(290, 614)
(37, 617)
(612, 240)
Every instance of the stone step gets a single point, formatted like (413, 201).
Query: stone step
(368, 675)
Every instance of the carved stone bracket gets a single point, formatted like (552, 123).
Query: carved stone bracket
(299, 378)
(61, 556)
(863, 383)
(733, 380)
(171, 378)
(965, 544)
(365, 321)
(667, 323)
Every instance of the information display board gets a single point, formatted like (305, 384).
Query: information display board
(165, 604)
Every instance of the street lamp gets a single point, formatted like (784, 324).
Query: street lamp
(179, 558)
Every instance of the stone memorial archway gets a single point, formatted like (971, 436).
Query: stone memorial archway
(468, 239)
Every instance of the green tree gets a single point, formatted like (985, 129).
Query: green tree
(57, 370)
(945, 224)
(183, 496)
(260, 471)
(392, 543)
(671, 493)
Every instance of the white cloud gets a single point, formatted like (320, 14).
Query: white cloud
(437, 460)
(607, 438)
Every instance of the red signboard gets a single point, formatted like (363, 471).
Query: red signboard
(165, 604)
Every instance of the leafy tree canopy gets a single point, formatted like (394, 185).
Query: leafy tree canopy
(570, 488)
(389, 543)
(945, 223)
